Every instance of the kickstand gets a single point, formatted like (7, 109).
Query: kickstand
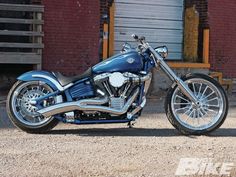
(131, 124)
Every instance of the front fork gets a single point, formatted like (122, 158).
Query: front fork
(182, 85)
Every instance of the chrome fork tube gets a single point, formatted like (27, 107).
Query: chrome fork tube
(183, 86)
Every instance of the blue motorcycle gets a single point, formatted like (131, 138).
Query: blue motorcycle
(114, 91)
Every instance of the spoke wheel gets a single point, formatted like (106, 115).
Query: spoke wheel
(203, 117)
(22, 105)
(22, 108)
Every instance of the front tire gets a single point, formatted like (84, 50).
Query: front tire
(204, 118)
(23, 115)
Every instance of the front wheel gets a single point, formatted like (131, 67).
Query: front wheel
(189, 118)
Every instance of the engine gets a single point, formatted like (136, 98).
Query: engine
(118, 86)
(108, 90)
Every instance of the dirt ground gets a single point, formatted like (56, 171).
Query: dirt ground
(152, 148)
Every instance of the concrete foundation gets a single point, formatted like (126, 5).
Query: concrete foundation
(161, 83)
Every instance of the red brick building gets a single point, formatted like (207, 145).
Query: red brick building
(223, 36)
(71, 38)
(73, 32)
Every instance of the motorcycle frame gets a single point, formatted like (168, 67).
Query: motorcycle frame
(150, 61)
(140, 101)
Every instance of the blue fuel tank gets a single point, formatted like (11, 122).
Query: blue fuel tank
(130, 61)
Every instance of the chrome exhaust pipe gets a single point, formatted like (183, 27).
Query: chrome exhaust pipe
(70, 106)
(86, 105)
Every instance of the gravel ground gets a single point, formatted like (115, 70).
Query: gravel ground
(152, 148)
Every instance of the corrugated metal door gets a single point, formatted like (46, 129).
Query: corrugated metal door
(160, 21)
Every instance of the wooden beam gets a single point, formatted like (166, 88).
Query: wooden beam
(111, 29)
(105, 41)
(188, 65)
(21, 7)
(218, 75)
(21, 21)
(21, 45)
(206, 38)
(20, 33)
(19, 58)
(229, 85)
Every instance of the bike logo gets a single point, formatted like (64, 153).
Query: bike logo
(203, 167)
(130, 60)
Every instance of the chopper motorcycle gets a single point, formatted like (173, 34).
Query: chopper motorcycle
(114, 91)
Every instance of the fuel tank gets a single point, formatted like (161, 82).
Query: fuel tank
(130, 61)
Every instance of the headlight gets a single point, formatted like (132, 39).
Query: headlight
(126, 47)
(162, 50)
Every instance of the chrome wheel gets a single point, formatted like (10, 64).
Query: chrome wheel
(23, 103)
(206, 113)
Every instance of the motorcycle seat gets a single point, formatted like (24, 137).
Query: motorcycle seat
(64, 80)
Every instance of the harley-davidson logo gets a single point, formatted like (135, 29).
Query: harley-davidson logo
(130, 60)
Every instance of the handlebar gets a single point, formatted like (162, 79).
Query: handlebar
(141, 39)
(158, 57)
(135, 37)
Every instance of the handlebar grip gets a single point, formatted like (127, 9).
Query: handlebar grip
(142, 38)
(135, 36)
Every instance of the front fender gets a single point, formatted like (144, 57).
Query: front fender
(43, 76)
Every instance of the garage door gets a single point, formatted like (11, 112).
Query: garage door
(160, 21)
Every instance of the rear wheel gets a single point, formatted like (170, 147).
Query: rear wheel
(189, 118)
(23, 113)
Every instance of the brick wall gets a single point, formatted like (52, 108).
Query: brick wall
(71, 35)
(223, 36)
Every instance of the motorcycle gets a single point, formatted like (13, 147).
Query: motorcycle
(114, 91)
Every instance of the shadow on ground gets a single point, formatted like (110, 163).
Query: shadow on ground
(4, 120)
(142, 132)
(117, 132)
(224, 132)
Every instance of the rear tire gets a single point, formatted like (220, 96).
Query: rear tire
(16, 120)
(183, 126)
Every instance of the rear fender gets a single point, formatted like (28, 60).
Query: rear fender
(43, 76)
